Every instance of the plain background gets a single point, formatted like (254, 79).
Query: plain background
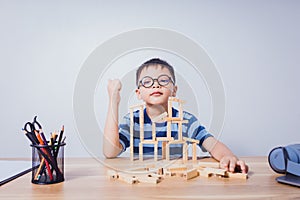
(255, 46)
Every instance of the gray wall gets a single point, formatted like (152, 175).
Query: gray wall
(254, 45)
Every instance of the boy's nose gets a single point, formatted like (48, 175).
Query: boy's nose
(156, 84)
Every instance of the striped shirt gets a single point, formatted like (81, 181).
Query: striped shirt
(193, 129)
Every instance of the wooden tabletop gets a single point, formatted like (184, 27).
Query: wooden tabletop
(86, 178)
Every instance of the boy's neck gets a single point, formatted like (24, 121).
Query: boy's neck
(155, 110)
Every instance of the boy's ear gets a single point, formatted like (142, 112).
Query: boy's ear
(174, 91)
(138, 93)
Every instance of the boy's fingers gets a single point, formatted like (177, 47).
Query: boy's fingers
(243, 166)
(232, 164)
(224, 163)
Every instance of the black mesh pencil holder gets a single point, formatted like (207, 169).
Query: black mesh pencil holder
(48, 163)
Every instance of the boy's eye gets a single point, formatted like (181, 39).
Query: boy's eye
(147, 81)
(164, 80)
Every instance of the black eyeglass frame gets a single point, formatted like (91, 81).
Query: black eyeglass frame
(155, 79)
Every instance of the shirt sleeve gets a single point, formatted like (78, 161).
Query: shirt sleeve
(196, 130)
(124, 132)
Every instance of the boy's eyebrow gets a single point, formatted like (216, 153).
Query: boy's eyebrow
(170, 76)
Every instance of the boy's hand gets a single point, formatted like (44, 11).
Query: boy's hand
(113, 88)
(232, 164)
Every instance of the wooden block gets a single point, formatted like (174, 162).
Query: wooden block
(149, 178)
(160, 177)
(149, 142)
(163, 149)
(155, 151)
(160, 171)
(160, 117)
(112, 174)
(204, 173)
(177, 142)
(127, 178)
(141, 155)
(167, 151)
(136, 106)
(164, 139)
(178, 173)
(174, 119)
(141, 124)
(168, 129)
(192, 173)
(216, 171)
(176, 169)
(131, 136)
(154, 170)
(180, 111)
(167, 173)
(174, 99)
(179, 131)
(132, 179)
(170, 114)
(179, 121)
(236, 175)
(194, 150)
(153, 131)
(191, 140)
(185, 152)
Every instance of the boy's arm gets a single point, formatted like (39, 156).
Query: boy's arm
(111, 143)
(223, 154)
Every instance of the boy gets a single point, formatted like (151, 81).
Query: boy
(155, 81)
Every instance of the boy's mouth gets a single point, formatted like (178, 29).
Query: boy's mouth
(156, 94)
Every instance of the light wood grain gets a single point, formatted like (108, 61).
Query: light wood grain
(87, 178)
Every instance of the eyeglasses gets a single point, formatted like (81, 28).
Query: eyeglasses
(162, 80)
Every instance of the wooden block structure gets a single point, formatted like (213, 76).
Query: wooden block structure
(154, 140)
(194, 146)
(166, 141)
(180, 139)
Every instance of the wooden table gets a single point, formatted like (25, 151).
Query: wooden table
(86, 178)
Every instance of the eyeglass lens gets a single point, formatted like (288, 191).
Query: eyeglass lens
(162, 80)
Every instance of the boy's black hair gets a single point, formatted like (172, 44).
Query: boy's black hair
(154, 61)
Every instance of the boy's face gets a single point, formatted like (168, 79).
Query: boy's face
(156, 94)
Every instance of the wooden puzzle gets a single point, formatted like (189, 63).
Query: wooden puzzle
(165, 141)
(156, 174)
